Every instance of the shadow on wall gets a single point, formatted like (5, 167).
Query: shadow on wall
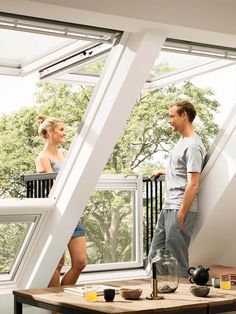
(213, 238)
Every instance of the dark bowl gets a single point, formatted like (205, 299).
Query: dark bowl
(200, 291)
(109, 294)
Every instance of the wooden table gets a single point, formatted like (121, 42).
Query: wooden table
(179, 302)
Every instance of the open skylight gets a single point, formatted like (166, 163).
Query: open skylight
(71, 53)
(32, 44)
(177, 61)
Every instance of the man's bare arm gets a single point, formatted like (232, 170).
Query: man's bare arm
(189, 195)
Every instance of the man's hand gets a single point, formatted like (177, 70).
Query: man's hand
(189, 194)
(180, 218)
(157, 173)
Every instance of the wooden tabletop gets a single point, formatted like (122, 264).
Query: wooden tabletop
(181, 301)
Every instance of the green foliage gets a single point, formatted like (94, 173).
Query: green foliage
(161, 68)
(17, 145)
(19, 140)
(93, 68)
(146, 140)
(63, 102)
(147, 133)
(11, 237)
(108, 216)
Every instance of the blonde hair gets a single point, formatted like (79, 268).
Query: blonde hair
(46, 124)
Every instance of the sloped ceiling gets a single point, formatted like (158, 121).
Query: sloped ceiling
(212, 15)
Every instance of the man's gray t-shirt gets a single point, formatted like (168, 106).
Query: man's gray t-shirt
(187, 156)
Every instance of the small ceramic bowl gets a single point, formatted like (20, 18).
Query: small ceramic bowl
(130, 294)
(200, 291)
(109, 294)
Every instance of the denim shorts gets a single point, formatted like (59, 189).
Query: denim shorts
(79, 231)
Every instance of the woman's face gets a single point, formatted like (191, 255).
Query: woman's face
(58, 133)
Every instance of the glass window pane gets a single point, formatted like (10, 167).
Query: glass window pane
(11, 236)
(109, 221)
(14, 237)
(113, 222)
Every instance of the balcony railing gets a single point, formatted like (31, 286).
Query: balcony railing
(152, 203)
(39, 185)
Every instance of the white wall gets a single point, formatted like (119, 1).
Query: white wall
(214, 240)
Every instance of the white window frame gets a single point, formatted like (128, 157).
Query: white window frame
(103, 122)
(35, 214)
(31, 221)
(125, 183)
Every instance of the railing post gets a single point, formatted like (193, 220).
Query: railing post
(153, 205)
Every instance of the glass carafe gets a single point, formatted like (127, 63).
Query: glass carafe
(166, 271)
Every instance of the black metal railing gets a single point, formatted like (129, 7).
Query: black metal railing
(153, 198)
(38, 186)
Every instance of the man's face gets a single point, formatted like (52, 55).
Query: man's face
(176, 121)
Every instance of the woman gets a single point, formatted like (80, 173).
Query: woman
(50, 160)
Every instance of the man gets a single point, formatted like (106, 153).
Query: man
(175, 224)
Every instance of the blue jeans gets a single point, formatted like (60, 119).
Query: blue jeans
(79, 231)
(168, 235)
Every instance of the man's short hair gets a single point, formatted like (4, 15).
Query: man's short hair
(185, 106)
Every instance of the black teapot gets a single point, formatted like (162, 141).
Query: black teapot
(199, 275)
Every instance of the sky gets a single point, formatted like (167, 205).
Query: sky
(18, 92)
(223, 83)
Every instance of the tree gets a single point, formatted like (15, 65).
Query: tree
(12, 235)
(19, 140)
(17, 144)
(147, 134)
(146, 140)
(105, 217)
(64, 102)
